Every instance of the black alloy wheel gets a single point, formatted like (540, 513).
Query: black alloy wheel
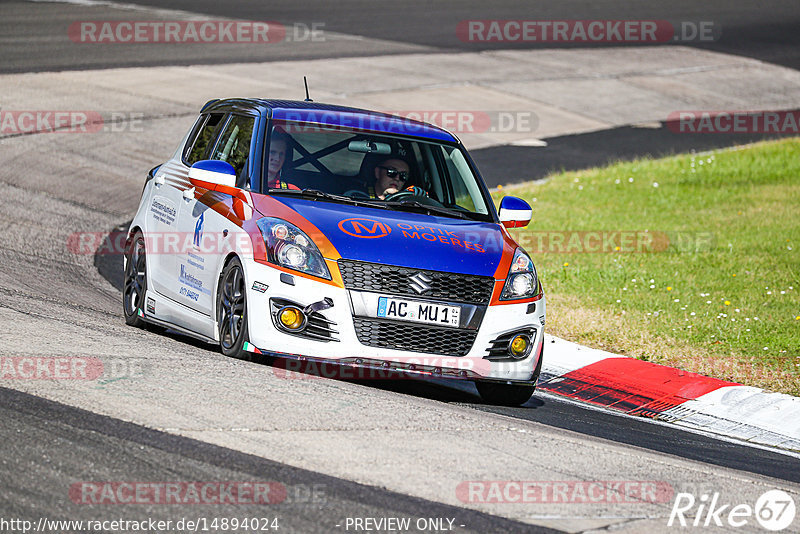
(135, 283)
(232, 310)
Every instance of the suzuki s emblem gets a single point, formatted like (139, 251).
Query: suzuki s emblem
(419, 283)
(366, 228)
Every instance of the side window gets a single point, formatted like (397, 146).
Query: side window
(465, 187)
(234, 143)
(204, 132)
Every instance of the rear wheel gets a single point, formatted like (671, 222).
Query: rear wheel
(510, 394)
(232, 311)
(135, 282)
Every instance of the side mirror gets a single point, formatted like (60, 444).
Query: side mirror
(515, 212)
(212, 172)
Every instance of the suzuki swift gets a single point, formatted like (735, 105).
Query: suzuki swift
(333, 235)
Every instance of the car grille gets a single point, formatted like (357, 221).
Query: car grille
(391, 280)
(414, 337)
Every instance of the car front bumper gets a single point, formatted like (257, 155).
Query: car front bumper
(345, 350)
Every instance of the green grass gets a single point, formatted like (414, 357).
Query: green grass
(724, 265)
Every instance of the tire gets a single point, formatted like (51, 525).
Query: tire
(510, 394)
(232, 311)
(134, 287)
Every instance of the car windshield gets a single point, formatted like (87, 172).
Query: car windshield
(382, 170)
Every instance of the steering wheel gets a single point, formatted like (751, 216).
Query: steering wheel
(405, 194)
(400, 195)
(356, 194)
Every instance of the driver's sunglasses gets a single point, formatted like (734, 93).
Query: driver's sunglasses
(391, 173)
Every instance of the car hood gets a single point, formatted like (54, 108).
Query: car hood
(414, 240)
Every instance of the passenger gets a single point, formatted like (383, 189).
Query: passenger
(278, 147)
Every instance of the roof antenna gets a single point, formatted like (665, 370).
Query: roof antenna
(308, 98)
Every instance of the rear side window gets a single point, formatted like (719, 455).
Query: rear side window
(234, 143)
(197, 147)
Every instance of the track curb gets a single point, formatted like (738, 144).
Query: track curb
(690, 400)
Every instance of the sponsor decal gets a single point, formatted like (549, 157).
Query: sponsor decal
(365, 228)
(198, 231)
(371, 229)
(163, 210)
(196, 261)
(193, 286)
(260, 287)
(189, 280)
(151, 305)
(432, 233)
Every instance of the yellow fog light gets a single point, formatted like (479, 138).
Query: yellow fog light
(518, 346)
(292, 318)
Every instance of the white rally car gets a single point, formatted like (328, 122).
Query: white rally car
(328, 234)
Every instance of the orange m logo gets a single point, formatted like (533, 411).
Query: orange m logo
(365, 228)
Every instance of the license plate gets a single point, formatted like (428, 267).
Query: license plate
(420, 312)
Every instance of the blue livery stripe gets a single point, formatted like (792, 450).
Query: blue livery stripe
(413, 240)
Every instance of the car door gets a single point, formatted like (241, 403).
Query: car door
(208, 217)
(169, 241)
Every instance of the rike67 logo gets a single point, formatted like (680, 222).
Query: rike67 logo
(774, 510)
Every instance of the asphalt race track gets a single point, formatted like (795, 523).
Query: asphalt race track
(767, 32)
(174, 410)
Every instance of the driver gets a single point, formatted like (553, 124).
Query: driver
(391, 174)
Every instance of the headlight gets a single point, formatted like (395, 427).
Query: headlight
(289, 247)
(521, 282)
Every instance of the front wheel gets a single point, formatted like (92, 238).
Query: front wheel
(135, 283)
(505, 394)
(232, 311)
(511, 394)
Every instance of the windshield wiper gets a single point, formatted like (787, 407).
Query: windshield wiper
(441, 210)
